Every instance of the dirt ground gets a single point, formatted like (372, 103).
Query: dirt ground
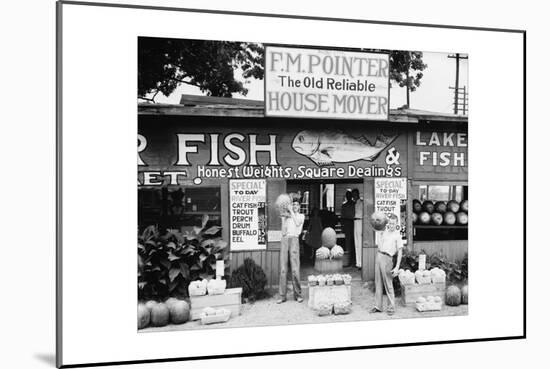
(267, 312)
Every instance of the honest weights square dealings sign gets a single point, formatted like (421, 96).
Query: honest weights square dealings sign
(315, 83)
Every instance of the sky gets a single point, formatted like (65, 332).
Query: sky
(432, 95)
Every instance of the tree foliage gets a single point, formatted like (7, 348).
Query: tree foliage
(164, 64)
(406, 68)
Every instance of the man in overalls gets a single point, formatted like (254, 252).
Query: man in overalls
(389, 244)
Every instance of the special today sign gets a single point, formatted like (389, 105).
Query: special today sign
(313, 83)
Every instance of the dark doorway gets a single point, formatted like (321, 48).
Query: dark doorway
(325, 197)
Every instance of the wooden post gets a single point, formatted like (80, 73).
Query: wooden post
(369, 248)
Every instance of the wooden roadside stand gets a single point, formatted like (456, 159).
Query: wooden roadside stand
(430, 152)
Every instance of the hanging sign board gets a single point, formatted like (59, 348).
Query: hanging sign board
(248, 216)
(388, 195)
(318, 83)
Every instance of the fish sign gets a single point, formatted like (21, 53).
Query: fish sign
(326, 147)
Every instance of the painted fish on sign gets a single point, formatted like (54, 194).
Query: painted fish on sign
(325, 147)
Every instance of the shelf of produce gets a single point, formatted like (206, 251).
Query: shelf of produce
(427, 226)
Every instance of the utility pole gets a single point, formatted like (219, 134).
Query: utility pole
(457, 57)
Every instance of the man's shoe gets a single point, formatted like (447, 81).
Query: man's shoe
(300, 299)
(280, 301)
(375, 310)
(390, 312)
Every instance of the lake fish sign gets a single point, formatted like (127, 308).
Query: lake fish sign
(313, 83)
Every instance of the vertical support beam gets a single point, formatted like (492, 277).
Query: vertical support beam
(410, 195)
(367, 272)
(224, 199)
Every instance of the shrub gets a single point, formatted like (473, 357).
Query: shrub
(251, 278)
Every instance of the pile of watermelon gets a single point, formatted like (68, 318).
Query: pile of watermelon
(455, 296)
(159, 314)
(329, 249)
(440, 213)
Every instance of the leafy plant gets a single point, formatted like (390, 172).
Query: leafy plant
(169, 260)
(251, 278)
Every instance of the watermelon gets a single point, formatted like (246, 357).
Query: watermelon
(328, 237)
(337, 252)
(424, 218)
(322, 253)
(282, 204)
(160, 315)
(453, 206)
(144, 316)
(417, 206)
(453, 296)
(464, 205)
(149, 304)
(378, 220)
(464, 292)
(449, 218)
(462, 218)
(170, 301)
(414, 218)
(437, 218)
(179, 312)
(428, 206)
(440, 207)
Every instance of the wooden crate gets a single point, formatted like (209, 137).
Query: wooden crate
(328, 295)
(329, 265)
(411, 292)
(230, 299)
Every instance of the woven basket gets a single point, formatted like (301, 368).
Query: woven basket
(423, 280)
(218, 318)
(197, 291)
(428, 306)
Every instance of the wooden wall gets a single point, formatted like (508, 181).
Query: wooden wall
(452, 249)
(268, 260)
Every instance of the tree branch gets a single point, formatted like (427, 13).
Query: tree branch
(152, 99)
(186, 82)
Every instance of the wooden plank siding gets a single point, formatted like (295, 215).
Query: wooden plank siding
(452, 249)
(267, 259)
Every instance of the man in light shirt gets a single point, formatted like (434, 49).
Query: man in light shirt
(389, 244)
(290, 249)
(357, 226)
